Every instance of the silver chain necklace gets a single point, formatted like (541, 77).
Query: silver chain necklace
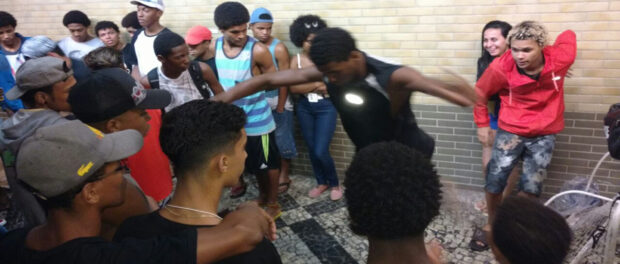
(205, 213)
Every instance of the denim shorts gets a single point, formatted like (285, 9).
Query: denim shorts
(284, 134)
(507, 149)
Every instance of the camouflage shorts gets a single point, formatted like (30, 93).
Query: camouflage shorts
(507, 149)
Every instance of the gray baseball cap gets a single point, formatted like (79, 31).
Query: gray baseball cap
(38, 73)
(37, 47)
(57, 158)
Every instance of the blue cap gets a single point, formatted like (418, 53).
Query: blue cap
(261, 14)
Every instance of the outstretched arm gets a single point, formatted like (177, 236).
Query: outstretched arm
(459, 92)
(239, 232)
(265, 81)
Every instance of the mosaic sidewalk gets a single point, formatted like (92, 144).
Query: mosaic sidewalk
(316, 230)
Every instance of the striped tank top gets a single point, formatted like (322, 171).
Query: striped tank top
(272, 49)
(233, 70)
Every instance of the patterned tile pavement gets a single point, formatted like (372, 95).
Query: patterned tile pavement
(316, 231)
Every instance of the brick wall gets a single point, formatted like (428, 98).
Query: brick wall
(458, 153)
(428, 35)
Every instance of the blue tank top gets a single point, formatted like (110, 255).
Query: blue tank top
(238, 69)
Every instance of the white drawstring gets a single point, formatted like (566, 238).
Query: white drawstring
(555, 79)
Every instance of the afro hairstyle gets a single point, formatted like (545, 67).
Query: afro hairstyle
(303, 26)
(331, 45)
(392, 191)
(229, 14)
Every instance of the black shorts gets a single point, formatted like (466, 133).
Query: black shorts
(262, 153)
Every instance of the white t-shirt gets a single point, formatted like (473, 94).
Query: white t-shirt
(182, 88)
(77, 50)
(15, 60)
(145, 53)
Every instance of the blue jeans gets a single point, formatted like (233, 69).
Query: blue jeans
(318, 123)
(284, 134)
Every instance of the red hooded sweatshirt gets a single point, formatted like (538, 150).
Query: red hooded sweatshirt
(529, 108)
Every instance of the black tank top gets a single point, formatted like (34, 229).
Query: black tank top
(372, 121)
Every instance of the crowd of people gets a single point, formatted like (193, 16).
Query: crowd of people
(98, 128)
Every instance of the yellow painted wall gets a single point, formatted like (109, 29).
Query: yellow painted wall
(425, 34)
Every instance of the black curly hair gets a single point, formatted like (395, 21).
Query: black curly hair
(331, 44)
(6, 19)
(76, 16)
(526, 231)
(194, 132)
(105, 24)
(392, 191)
(303, 26)
(229, 14)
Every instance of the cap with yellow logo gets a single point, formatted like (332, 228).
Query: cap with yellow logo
(57, 158)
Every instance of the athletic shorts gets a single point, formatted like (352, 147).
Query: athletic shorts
(262, 153)
(284, 134)
(507, 149)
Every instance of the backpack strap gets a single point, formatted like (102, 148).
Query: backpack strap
(196, 73)
(153, 78)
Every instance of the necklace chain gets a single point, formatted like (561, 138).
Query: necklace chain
(204, 213)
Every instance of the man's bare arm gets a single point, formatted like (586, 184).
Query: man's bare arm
(135, 72)
(265, 81)
(145, 82)
(458, 92)
(209, 77)
(283, 64)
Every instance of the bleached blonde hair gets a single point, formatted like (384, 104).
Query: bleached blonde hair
(529, 30)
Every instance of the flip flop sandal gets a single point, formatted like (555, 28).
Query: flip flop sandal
(283, 186)
(479, 240)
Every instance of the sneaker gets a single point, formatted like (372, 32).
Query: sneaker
(336, 193)
(317, 191)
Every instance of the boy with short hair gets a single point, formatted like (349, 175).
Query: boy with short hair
(261, 23)
(185, 80)
(10, 58)
(110, 35)
(529, 79)
(239, 57)
(204, 163)
(149, 13)
(198, 39)
(76, 170)
(526, 231)
(80, 42)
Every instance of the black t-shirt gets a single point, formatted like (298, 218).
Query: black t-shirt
(80, 70)
(211, 63)
(177, 248)
(372, 121)
(129, 57)
(152, 225)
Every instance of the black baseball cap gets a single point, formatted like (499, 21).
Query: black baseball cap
(108, 93)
